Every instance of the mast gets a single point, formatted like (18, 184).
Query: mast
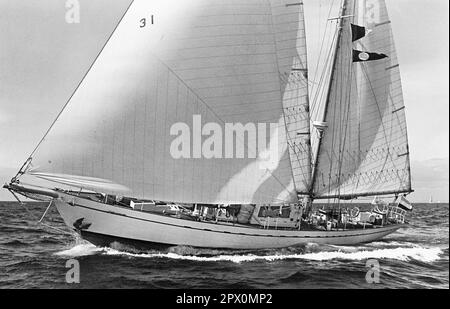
(308, 117)
(330, 85)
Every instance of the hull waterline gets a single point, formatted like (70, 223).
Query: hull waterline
(104, 225)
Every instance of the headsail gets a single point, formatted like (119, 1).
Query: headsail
(215, 61)
(364, 150)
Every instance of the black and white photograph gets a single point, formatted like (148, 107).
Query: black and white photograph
(250, 146)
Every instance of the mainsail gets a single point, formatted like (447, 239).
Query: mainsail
(364, 150)
(216, 61)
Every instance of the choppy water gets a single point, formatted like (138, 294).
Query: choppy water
(32, 256)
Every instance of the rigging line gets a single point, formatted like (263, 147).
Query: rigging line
(79, 84)
(320, 26)
(331, 84)
(357, 179)
(307, 111)
(323, 39)
(357, 157)
(316, 92)
(341, 130)
(344, 95)
(333, 135)
(38, 222)
(334, 115)
(316, 113)
(319, 94)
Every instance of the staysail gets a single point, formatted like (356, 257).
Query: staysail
(183, 69)
(364, 149)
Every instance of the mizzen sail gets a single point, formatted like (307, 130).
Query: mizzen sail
(364, 150)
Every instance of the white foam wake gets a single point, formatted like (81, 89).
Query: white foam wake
(405, 252)
(402, 254)
(81, 250)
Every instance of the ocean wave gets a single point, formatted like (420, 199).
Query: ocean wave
(13, 243)
(387, 244)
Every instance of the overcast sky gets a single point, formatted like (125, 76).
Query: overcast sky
(42, 58)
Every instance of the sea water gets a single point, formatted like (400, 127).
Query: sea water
(32, 256)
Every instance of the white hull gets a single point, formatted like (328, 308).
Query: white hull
(111, 222)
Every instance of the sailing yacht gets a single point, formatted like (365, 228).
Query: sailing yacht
(107, 162)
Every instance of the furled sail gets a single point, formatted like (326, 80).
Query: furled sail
(364, 150)
(185, 69)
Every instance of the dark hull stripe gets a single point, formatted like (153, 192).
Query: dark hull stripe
(378, 231)
(103, 240)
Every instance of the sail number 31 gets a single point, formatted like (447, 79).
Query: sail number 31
(144, 22)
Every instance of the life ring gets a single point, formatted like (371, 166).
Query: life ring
(355, 212)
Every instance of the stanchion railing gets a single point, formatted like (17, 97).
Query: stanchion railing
(396, 214)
